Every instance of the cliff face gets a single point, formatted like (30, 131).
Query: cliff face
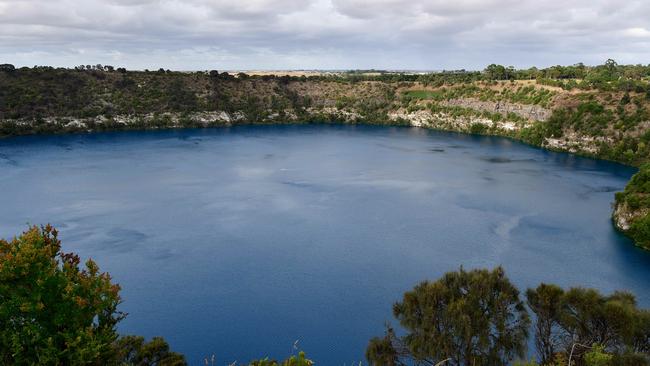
(623, 216)
(527, 111)
(633, 222)
(263, 102)
(472, 121)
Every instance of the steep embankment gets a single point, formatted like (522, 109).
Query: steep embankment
(611, 124)
(632, 209)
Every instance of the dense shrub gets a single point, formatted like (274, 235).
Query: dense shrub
(53, 311)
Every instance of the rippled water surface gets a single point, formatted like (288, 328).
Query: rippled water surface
(238, 242)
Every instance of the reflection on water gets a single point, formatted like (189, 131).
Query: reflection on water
(239, 241)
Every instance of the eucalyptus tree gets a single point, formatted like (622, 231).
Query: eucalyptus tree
(578, 320)
(545, 301)
(466, 318)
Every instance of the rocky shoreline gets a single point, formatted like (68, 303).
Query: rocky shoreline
(471, 123)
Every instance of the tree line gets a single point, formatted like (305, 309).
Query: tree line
(478, 317)
(569, 76)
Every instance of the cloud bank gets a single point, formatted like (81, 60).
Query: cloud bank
(322, 34)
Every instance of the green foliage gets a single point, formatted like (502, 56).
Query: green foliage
(598, 357)
(533, 135)
(607, 77)
(525, 363)
(423, 94)
(640, 182)
(474, 317)
(53, 311)
(590, 118)
(589, 317)
(522, 94)
(584, 316)
(499, 72)
(300, 360)
(528, 95)
(636, 197)
(134, 351)
(640, 230)
(478, 128)
(382, 351)
(545, 302)
(630, 359)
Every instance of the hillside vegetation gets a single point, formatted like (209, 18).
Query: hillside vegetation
(599, 111)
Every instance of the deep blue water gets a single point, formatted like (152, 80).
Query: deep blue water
(238, 242)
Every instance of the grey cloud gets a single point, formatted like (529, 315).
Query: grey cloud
(270, 34)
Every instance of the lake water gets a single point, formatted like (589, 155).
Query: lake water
(238, 242)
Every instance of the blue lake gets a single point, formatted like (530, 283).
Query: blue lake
(238, 242)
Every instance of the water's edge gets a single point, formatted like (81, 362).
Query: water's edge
(620, 216)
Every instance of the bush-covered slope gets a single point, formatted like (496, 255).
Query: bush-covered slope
(632, 213)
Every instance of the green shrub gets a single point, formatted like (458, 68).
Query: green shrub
(478, 128)
(50, 303)
(640, 231)
(53, 311)
(598, 357)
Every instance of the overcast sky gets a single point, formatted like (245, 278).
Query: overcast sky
(323, 34)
